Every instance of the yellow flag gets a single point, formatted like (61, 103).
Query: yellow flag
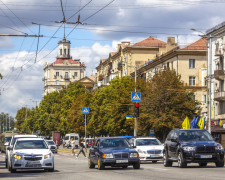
(221, 122)
(186, 124)
(200, 122)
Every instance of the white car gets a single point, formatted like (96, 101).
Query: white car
(11, 143)
(52, 146)
(149, 149)
(31, 153)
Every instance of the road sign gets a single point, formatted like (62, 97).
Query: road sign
(85, 110)
(151, 132)
(38, 132)
(135, 96)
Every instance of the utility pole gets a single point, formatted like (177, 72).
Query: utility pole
(210, 81)
(135, 90)
(9, 123)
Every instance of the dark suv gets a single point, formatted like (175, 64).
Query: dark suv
(192, 146)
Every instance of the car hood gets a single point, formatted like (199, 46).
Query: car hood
(145, 148)
(118, 150)
(198, 143)
(32, 151)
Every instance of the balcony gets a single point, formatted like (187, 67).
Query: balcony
(100, 77)
(218, 52)
(219, 96)
(219, 74)
(120, 65)
(66, 77)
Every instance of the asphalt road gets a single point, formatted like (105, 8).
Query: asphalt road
(68, 167)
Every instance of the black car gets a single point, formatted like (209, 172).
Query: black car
(114, 152)
(192, 146)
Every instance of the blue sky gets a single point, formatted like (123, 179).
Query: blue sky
(132, 20)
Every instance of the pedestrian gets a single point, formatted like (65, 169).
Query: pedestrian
(81, 143)
(72, 143)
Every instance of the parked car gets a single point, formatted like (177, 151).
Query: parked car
(75, 137)
(114, 152)
(149, 148)
(30, 153)
(52, 146)
(11, 143)
(5, 139)
(192, 146)
(91, 142)
(88, 140)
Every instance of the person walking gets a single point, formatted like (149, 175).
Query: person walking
(72, 143)
(81, 143)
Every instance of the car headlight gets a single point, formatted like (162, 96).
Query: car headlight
(47, 156)
(134, 155)
(17, 157)
(220, 147)
(107, 156)
(188, 148)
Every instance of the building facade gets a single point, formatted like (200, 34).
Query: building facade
(189, 62)
(63, 71)
(122, 62)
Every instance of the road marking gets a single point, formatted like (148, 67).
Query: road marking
(2, 156)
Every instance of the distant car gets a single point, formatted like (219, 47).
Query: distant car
(192, 146)
(114, 152)
(31, 153)
(11, 143)
(149, 149)
(52, 146)
(88, 140)
(91, 142)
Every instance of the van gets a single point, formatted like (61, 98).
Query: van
(68, 137)
(5, 139)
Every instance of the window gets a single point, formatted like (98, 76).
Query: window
(169, 136)
(57, 73)
(205, 81)
(60, 51)
(172, 65)
(191, 63)
(191, 81)
(64, 51)
(75, 74)
(68, 52)
(66, 75)
(205, 99)
(57, 82)
(168, 65)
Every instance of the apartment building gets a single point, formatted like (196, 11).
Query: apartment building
(122, 62)
(64, 70)
(189, 62)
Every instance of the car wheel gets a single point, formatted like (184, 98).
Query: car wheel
(166, 162)
(12, 170)
(6, 164)
(154, 161)
(52, 169)
(9, 167)
(181, 163)
(136, 165)
(100, 165)
(220, 164)
(90, 163)
(202, 164)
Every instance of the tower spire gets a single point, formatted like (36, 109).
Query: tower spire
(64, 32)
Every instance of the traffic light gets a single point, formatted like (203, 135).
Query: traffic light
(136, 110)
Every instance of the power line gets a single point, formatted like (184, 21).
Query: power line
(13, 29)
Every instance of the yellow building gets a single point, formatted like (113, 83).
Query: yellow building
(189, 62)
(122, 62)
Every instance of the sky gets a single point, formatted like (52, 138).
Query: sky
(106, 23)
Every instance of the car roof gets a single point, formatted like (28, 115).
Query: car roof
(192, 129)
(145, 138)
(111, 138)
(25, 136)
(27, 139)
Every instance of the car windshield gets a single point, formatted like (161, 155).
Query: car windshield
(147, 142)
(51, 142)
(195, 136)
(111, 143)
(31, 144)
(15, 138)
(8, 139)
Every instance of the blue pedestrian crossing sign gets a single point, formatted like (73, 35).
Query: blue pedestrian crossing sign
(85, 110)
(135, 96)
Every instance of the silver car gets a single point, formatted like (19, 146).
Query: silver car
(52, 146)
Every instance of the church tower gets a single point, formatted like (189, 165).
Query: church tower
(64, 49)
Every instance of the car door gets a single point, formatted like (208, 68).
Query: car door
(168, 143)
(96, 151)
(173, 145)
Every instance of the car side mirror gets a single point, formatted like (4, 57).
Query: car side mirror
(52, 147)
(95, 147)
(6, 144)
(10, 148)
(174, 139)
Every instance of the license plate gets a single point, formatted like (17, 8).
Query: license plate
(206, 156)
(122, 161)
(31, 162)
(154, 155)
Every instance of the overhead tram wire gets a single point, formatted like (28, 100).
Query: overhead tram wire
(17, 17)
(13, 29)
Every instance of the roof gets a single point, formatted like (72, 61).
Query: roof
(151, 42)
(103, 60)
(217, 128)
(92, 77)
(111, 138)
(113, 53)
(198, 45)
(25, 136)
(60, 60)
(27, 139)
(215, 27)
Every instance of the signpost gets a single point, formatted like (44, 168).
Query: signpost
(152, 132)
(85, 111)
(135, 97)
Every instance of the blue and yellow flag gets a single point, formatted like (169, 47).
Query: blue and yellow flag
(199, 122)
(220, 122)
(186, 123)
(129, 116)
